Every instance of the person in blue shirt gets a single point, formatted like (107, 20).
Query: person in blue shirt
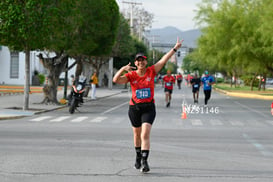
(207, 81)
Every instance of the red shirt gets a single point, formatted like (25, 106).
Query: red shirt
(169, 81)
(179, 77)
(142, 87)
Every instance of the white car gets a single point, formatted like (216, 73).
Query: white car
(269, 81)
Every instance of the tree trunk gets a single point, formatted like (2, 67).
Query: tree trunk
(260, 84)
(27, 80)
(252, 82)
(51, 89)
(55, 66)
(79, 68)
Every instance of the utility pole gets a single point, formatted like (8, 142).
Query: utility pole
(153, 41)
(133, 4)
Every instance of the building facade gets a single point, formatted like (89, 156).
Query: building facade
(12, 68)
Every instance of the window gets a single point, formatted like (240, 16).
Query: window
(14, 65)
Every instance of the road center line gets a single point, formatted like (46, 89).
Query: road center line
(116, 107)
(253, 110)
(258, 146)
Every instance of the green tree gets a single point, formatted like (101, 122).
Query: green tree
(80, 29)
(124, 44)
(192, 64)
(236, 35)
(96, 33)
(24, 25)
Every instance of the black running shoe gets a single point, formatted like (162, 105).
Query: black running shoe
(145, 167)
(138, 163)
(168, 104)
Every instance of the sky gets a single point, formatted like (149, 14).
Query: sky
(176, 13)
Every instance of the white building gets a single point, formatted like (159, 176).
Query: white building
(12, 66)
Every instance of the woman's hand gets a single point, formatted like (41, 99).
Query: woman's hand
(178, 43)
(160, 64)
(119, 78)
(128, 68)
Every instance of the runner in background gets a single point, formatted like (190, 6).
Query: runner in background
(195, 82)
(179, 79)
(207, 81)
(169, 80)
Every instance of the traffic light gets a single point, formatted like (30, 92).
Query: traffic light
(178, 53)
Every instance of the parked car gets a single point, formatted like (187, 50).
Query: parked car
(269, 81)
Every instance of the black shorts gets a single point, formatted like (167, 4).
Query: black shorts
(194, 90)
(168, 90)
(142, 114)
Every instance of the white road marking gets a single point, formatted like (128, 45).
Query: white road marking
(79, 119)
(116, 107)
(269, 122)
(196, 122)
(216, 123)
(98, 119)
(60, 119)
(41, 118)
(250, 109)
(258, 146)
(236, 123)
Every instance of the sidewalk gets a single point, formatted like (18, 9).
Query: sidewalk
(10, 105)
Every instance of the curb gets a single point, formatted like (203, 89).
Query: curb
(244, 95)
(10, 93)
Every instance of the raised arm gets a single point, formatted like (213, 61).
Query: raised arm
(159, 65)
(119, 78)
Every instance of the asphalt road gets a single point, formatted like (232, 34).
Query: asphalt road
(230, 140)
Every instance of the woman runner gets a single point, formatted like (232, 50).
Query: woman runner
(142, 108)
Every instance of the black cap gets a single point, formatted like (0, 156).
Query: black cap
(140, 55)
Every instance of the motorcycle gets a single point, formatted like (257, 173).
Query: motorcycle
(76, 96)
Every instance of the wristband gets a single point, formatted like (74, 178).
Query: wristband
(174, 50)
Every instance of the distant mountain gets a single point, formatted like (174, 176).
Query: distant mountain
(170, 34)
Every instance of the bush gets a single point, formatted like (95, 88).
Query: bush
(248, 79)
(41, 78)
(219, 80)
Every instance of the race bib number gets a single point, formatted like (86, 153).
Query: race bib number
(207, 83)
(195, 85)
(143, 93)
(168, 84)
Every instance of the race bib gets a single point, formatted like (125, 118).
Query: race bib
(143, 93)
(168, 84)
(195, 85)
(207, 83)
